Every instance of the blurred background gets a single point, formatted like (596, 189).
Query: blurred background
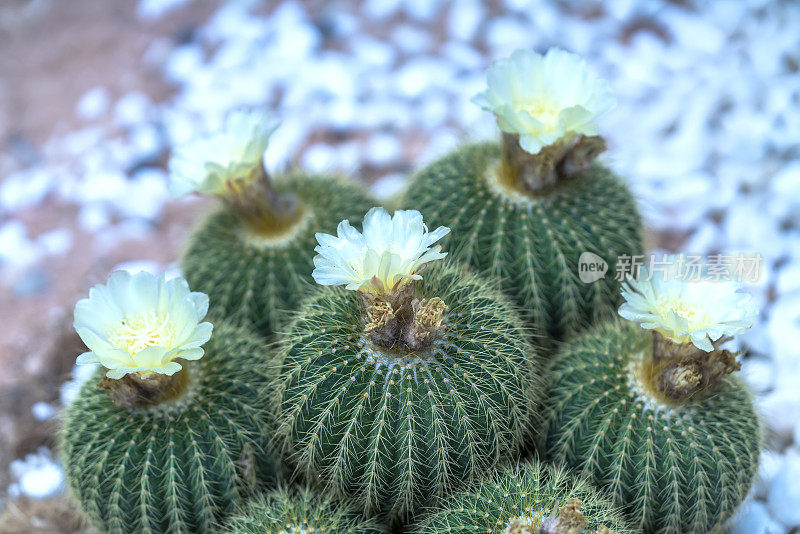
(94, 93)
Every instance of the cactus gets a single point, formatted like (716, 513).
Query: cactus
(181, 464)
(299, 510)
(254, 280)
(675, 465)
(398, 428)
(533, 242)
(527, 499)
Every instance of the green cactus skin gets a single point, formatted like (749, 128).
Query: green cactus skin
(399, 431)
(300, 511)
(533, 243)
(254, 281)
(527, 493)
(181, 465)
(675, 468)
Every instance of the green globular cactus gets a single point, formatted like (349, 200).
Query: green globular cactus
(181, 464)
(675, 466)
(527, 499)
(533, 241)
(299, 511)
(254, 279)
(397, 429)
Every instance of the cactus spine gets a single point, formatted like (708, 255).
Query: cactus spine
(675, 466)
(533, 241)
(252, 279)
(527, 499)
(398, 429)
(181, 465)
(298, 511)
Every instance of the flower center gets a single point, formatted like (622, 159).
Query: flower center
(687, 310)
(544, 110)
(143, 330)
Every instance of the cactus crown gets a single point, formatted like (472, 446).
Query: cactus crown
(546, 106)
(690, 320)
(529, 498)
(383, 265)
(229, 165)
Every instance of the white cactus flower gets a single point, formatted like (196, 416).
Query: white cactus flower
(141, 324)
(392, 248)
(544, 98)
(687, 311)
(215, 163)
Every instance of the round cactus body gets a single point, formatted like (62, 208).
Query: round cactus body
(181, 465)
(253, 279)
(533, 242)
(526, 499)
(675, 467)
(398, 430)
(300, 511)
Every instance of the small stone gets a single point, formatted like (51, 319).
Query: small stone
(781, 410)
(754, 518)
(388, 186)
(784, 495)
(43, 411)
(759, 373)
(93, 104)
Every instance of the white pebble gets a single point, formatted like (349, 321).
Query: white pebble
(754, 518)
(93, 104)
(781, 410)
(412, 40)
(56, 242)
(155, 9)
(383, 149)
(133, 108)
(506, 34)
(38, 476)
(388, 186)
(43, 411)
(319, 158)
(25, 189)
(759, 373)
(464, 18)
(784, 495)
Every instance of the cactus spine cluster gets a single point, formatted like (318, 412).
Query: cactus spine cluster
(254, 280)
(397, 430)
(533, 242)
(675, 467)
(180, 465)
(300, 510)
(527, 499)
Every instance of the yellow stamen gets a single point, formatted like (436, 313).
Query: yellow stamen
(143, 330)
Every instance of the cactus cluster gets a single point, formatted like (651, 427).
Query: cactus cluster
(532, 242)
(257, 280)
(398, 429)
(674, 466)
(409, 398)
(182, 464)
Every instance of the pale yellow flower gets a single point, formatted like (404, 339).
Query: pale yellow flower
(544, 98)
(391, 248)
(142, 324)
